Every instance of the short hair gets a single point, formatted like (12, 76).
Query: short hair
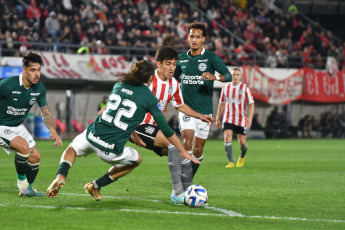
(166, 53)
(139, 74)
(236, 68)
(198, 25)
(31, 57)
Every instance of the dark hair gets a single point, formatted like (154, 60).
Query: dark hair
(139, 74)
(166, 53)
(31, 57)
(198, 25)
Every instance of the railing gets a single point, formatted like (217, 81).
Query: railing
(139, 53)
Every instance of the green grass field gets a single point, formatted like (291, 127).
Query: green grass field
(285, 184)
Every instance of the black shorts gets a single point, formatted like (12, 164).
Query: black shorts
(148, 134)
(235, 128)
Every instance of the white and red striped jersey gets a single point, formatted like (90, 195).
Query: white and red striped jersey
(236, 99)
(164, 91)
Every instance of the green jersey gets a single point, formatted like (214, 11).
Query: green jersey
(197, 93)
(16, 101)
(126, 109)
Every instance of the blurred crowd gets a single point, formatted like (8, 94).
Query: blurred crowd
(280, 34)
(277, 126)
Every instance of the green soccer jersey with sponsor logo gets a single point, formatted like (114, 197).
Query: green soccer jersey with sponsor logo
(197, 93)
(16, 101)
(126, 109)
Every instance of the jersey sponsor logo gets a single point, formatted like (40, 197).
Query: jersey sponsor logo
(204, 60)
(182, 61)
(202, 67)
(229, 100)
(149, 130)
(32, 101)
(16, 112)
(127, 91)
(35, 94)
(16, 92)
(7, 131)
(186, 118)
(97, 140)
(15, 99)
(192, 80)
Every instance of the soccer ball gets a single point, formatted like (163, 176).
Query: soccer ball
(195, 196)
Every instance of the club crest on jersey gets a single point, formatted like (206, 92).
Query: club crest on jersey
(149, 130)
(186, 118)
(202, 67)
(32, 101)
(7, 131)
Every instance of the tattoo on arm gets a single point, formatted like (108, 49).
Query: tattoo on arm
(47, 117)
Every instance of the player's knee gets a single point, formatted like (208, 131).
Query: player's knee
(139, 159)
(35, 157)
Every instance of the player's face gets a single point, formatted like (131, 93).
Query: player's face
(32, 73)
(166, 68)
(236, 77)
(195, 39)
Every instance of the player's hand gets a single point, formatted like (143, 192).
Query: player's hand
(249, 123)
(56, 137)
(184, 154)
(101, 111)
(219, 123)
(208, 76)
(165, 110)
(137, 140)
(208, 119)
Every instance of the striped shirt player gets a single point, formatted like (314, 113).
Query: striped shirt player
(236, 99)
(164, 91)
(233, 102)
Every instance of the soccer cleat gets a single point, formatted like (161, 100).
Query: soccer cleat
(240, 162)
(55, 186)
(230, 165)
(177, 199)
(27, 192)
(37, 194)
(95, 193)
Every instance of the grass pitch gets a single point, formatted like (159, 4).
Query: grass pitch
(284, 184)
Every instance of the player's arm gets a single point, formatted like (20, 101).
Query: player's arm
(220, 110)
(251, 114)
(192, 113)
(220, 67)
(137, 140)
(169, 133)
(49, 122)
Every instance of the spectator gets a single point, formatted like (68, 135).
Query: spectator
(305, 125)
(256, 125)
(52, 25)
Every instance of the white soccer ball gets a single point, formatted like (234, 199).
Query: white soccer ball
(196, 196)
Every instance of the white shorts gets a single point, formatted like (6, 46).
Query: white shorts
(201, 128)
(7, 134)
(82, 147)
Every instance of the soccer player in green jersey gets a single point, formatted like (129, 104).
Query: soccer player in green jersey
(17, 95)
(127, 105)
(196, 68)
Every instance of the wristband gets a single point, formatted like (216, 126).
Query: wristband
(217, 77)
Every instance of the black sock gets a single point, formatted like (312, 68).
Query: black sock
(63, 168)
(32, 172)
(243, 151)
(195, 167)
(21, 163)
(103, 181)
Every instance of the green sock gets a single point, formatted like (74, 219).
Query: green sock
(63, 168)
(21, 163)
(103, 181)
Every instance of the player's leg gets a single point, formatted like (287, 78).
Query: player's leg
(243, 146)
(122, 165)
(79, 147)
(228, 145)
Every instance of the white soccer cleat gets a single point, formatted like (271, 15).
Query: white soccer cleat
(22, 184)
